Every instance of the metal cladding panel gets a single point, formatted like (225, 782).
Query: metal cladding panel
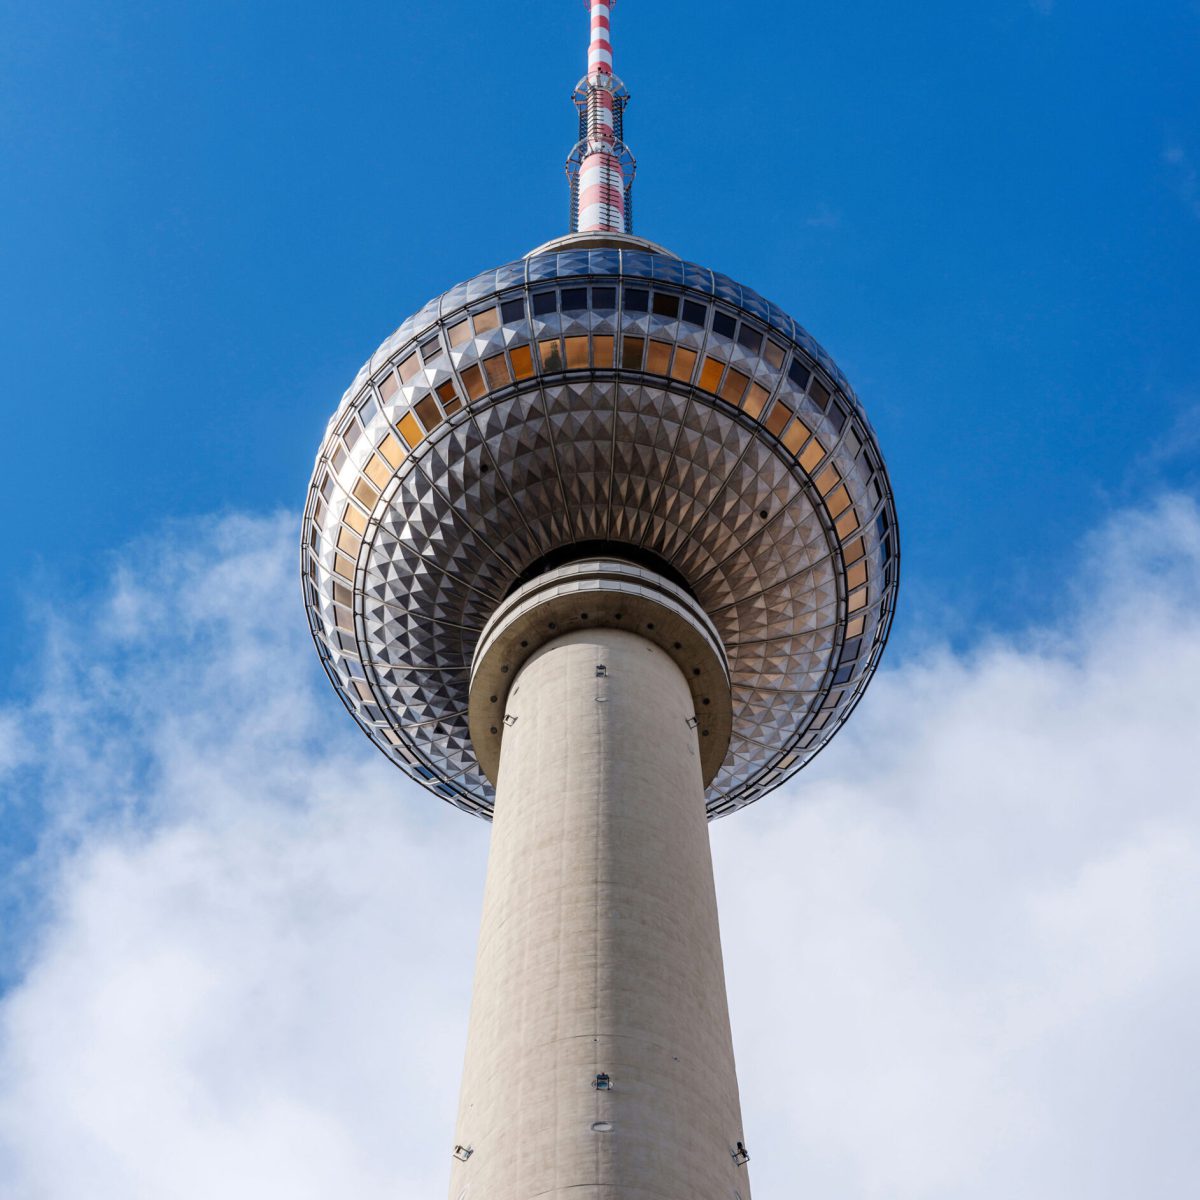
(587, 395)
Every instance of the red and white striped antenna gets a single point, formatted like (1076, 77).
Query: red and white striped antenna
(600, 169)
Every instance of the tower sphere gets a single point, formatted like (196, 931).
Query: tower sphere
(600, 400)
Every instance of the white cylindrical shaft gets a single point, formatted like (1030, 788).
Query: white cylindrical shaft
(599, 952)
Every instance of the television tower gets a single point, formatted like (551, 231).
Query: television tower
(600, 546)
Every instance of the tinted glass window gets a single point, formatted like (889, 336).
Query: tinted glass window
(637, 300)
(512, 310)
(604, 297)
(750, 338)
(799, 374)
(666, 305)
(543, 303)
(723, 324)
(574, 299)
(693, 312)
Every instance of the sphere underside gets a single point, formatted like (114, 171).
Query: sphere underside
(600, 396)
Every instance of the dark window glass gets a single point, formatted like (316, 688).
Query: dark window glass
(543, 303)
(750, 338)
(604, 297)
(837, 414)
(429, 413)
(512, 310)
(574, 299)
(887, 550)
(631, 353)
(666, 305)
(723, 324)
(799, 374)
(881, 524)
(843, 675)
(694, 312)
(850, 649)
(637, 300)
(820, 393)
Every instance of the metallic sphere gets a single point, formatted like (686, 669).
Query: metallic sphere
(600, 397)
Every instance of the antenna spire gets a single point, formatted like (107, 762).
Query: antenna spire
(600, 169)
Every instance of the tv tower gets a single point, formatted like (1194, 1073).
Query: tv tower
(600, 546)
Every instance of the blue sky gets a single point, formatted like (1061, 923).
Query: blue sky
(988, 213)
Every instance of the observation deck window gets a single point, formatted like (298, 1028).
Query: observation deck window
(799, 374)
(694, 313)
(512, 310)
(631, 353)
(637, 300)
(666, 305)
(724, 324)
(751, 338)
(486, 321)
(543, 303)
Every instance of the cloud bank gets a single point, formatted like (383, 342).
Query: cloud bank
(963, 949)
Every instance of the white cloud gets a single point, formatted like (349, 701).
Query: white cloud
(963, 949)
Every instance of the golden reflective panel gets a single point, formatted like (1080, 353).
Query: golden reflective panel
(577, 353)
(428, 413)
(449, 398)
(522, 362)
(472, 380)
(684, 364)
(355, 519)
(391, 450)
(658, 358)
(377, 471)
(497, 371)
(777, 418)
(487, 320)
(813, 453)
(710, 374)
(410, 431)
(754, 400)
(734, 386)
(796, 434)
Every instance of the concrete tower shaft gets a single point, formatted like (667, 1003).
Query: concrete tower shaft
(599, 1063)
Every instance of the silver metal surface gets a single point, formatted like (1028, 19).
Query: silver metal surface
(600, 395)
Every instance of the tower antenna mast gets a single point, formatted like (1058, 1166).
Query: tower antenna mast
(600, 168)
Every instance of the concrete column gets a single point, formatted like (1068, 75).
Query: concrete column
(599, 953)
